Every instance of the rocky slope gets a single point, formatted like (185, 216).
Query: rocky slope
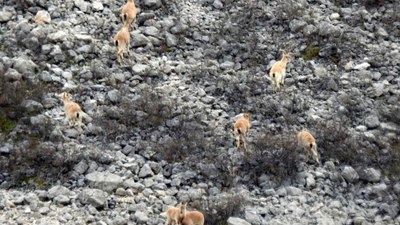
(160, 126)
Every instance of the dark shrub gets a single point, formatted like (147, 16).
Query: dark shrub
(217, 210)
(271, 154)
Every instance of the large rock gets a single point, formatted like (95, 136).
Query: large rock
(105, 181)
(145, 171)
(371, 175)
(372, 121)
(350, 174)
(327, 29)
(293, 191)
(95, 197)
(237, 221)
(152, 3)
(5, 16)
(58, 190)
(24, 66)
(13, 75)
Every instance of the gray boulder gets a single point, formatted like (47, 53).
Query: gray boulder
(153, 3)
(237, 221)
(24, 66)
(95, 197)
(145, 171)
(350, 174)
(372, 121)
(5, 16)
(371, 175)
(293, 191)
(327, 29)
(105, 181)
(58, 190)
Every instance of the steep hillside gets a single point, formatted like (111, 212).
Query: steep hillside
(159, 125)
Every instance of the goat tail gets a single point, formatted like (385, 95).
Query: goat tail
(125, 16)
(164, 214)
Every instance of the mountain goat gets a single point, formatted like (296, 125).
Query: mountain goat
(191, 217)
(128, 13)
(278, 71)
(173, 215)
(307, 141)
(241, 129)
(72, 110)
(122, 42)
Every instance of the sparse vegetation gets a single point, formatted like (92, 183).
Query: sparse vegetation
(218, 210)
(336, 141)
(311, 52)
(275, 155)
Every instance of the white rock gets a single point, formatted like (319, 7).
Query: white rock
(362, 66)
(97, 6)
(5, 16)
(334, 16)
(237, 221)
(43, 15)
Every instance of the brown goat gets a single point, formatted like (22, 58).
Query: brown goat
(278, 71)
(241, 129)
(122, 42)
(128, 13)
(72, 110)
(191, 217)
(173, 215)
(307, 141)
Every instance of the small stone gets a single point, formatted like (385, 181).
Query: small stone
(362, 66)
(349, 66)
(227, 65)
(120, 192)
(334, 16)
(171, 40)
(218, 4)
(332, 85)
(81, 167)
(44, 210)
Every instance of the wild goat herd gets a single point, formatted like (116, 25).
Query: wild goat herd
(179, 215)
